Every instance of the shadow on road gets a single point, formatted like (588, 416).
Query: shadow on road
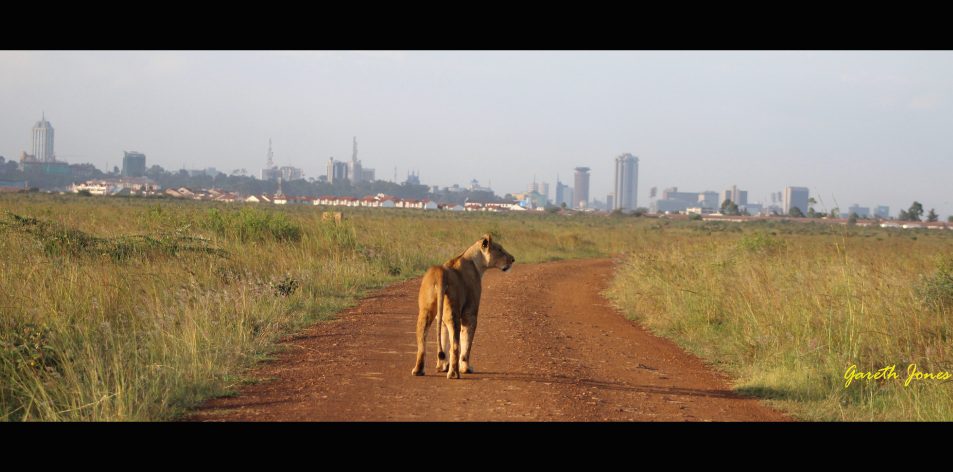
(600, 384)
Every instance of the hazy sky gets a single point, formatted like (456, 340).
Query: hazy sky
(855, 127)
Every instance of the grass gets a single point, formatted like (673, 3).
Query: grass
(127, 309)
(119, 309)
(786, 312)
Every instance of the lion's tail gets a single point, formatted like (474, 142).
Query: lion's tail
(441, 290)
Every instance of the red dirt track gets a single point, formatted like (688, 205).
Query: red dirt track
(548, 347)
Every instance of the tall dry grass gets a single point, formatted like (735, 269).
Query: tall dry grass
(122, 309)
(786, 309)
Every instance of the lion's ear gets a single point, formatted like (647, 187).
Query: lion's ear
(487, 239)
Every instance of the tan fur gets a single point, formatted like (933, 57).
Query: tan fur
(452, 290)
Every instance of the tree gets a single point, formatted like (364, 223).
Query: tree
(949, 219)
(796, 212)
(903, 216)
(155, 172)
(729, 207)
(852, 219)
(915, 212)
(835, 212)
(932, 216)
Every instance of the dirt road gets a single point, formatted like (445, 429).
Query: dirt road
(561, 354)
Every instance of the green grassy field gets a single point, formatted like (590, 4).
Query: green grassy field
(137, 309)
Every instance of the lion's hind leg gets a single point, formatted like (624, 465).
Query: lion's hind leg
(466, 343)
(424, 319)
(453, 326)
(443, 341)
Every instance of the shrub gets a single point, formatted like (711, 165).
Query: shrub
(249, 224)
(936, 290)
(762, 243)
(57, 240)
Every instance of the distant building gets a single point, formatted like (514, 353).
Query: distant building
(610, 201)
(124, 185)
(43, 141)
(882, 211)
(367, 175)
(796, 197)
(31, 165)
(476, 187)
(861, 212)
(753, 209)
(412, 178)
(626, 183)
(663, 205)
(288, 173)
(541, 188)
(563, 194)
(24, 157)
(672, 200)
(270, 171)
(708, 199)
(531, 200)
(672, 193)
(739, 197)
(133, 164)
(209, 171)
(355, 171)
(337, 171)
(581, 188)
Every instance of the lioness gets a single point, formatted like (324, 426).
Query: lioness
(452, 290)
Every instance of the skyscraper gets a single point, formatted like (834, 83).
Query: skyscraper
(626, 182)
(563, 194)
(337, 171)
(354, 169)
(796, 197)
(43, 141)
(133, 164)
(739, 197)
(581, 188)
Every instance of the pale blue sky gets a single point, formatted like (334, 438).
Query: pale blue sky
(859, 127)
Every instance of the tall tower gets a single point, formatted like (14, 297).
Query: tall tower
(43, 140)
(269, 172)
(354, 167)
(626, 183)
(581, 188)
(271, 155)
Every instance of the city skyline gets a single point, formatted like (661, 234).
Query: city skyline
(626, 180)
(863, 128)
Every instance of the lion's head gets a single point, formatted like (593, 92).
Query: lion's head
(494, 255)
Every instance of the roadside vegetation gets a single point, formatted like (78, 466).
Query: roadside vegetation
(137, 309)
(786, 309)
